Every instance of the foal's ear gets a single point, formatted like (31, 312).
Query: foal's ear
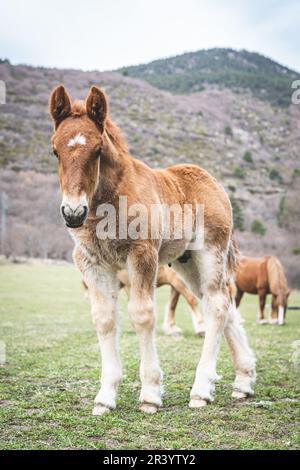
(59, 105)
(96, 106)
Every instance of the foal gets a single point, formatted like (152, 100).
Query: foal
(96, 169)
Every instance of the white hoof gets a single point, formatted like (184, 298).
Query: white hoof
(172, 330)
(239, 395)
(262, 322)
(99, 410)
(148, 408)
(198, 323)
(273, 321)
(199, 329)
(197, 402)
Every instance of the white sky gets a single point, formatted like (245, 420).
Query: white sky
(107, 34)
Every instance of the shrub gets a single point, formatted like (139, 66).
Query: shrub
(296, 251)
(282, 212)
(296, 173)
(239, 172)
(275, 175)
(248, 156)
(228, 131)
(238, 216)
(258, 227)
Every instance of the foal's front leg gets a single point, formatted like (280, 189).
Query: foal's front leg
(103, 293)
(142, 268)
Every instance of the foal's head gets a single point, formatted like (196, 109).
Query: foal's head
(77, 144)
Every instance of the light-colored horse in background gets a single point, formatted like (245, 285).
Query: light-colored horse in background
(168, 276)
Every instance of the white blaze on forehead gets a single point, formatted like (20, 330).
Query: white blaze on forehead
(77, 139)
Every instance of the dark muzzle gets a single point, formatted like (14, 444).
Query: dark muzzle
(74, 218)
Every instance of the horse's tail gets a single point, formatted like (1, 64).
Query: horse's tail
(276, 276)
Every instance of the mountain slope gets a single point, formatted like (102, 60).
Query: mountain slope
(251, 146)
(237, 70)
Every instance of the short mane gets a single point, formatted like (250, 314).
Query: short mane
(116, 136)
(78, 109)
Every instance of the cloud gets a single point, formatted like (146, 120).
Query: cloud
(108, 34)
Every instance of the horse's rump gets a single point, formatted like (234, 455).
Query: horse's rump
(276, 276)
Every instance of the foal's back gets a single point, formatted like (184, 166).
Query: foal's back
(191, 184)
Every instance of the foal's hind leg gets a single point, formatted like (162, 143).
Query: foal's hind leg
(243, 357)
(142, 268)
(206, 274)
(215, 311)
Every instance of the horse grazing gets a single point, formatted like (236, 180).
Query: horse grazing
(168, 276)
(97, 172)
(263, 276)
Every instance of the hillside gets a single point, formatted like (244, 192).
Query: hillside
(250, 144)
(237, 70)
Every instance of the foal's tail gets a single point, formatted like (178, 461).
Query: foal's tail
(232, 266)
(232, 258)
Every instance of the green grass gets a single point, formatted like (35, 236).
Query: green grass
(51, 376)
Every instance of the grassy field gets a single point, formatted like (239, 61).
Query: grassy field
(51, 376)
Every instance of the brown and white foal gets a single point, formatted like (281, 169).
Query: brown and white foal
(95, 168)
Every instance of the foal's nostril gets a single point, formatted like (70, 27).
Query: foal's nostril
(63, 210)
(85, 209)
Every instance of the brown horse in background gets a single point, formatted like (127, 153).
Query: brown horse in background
(263, 276)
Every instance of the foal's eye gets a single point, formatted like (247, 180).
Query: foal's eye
(55, 152)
